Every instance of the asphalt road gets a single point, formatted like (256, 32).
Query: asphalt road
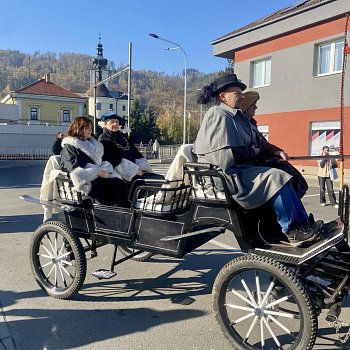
(143, 307)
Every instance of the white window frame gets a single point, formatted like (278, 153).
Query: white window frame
(264, 130)
(331, 66)
(266, 72)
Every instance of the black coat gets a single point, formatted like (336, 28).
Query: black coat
(57, 147)
(117, 146)
(108, 191)
(72, 158)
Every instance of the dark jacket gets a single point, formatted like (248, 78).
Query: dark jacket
(117, 146)
(57, 147)
(72, 158)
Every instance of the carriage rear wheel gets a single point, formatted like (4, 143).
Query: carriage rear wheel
(144, 256)
(260, 304)
(58, 260)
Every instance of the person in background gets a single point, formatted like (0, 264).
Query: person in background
(156, 147)
(81, 157)
(120, 151)
(271, 155)
(324, 166)
(226, 139)
(57, 145)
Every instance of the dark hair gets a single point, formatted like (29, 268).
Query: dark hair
(76, 129)
(206, 93)
(324, 147)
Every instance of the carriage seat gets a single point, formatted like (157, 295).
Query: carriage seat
(171, 197)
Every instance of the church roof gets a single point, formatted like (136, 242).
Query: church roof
(101, 91)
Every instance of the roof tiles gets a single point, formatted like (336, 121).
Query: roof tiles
(42, 87)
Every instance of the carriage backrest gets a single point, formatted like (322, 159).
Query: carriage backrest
(170, 197)
(207, 182)
(66, 192)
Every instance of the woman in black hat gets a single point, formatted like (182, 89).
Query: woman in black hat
(120, 151)
(81, 157)
(226, 138)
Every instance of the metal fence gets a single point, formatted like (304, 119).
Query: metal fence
(166, 151)
(25, 153)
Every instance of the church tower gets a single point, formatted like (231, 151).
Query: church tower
(99, 70)
(100, 99)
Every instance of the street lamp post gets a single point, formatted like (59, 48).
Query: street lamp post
(185, 78)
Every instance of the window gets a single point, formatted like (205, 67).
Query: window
(98, 106)
(261, 73)
(330, 58)
(264, 129)
(124, 108)
(34, 113)
(66, 115)
(322, 134)
(111, 107)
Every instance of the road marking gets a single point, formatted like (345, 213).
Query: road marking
(223, 245)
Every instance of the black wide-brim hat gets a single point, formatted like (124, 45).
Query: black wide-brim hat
(111, 115)
(220, 84)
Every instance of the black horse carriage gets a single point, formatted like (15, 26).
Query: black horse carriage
(270, 297)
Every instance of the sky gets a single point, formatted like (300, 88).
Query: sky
(74, 26)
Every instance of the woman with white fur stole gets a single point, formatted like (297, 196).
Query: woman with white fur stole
(81, 157)
(120, 151)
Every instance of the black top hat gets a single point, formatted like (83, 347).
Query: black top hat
(111, 115)
(226, 81)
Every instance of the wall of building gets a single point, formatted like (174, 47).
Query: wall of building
(294, 85)
(49, 111)
(8, 112)
(19, 135)
(291, 130)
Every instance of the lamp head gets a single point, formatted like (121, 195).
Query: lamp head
(154, 35)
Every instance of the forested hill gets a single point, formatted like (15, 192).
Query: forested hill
(72, 71)
(158, 98)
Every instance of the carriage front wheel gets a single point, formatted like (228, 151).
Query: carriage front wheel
(260, 304)
(57, 259)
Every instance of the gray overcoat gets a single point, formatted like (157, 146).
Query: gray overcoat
(223, 128)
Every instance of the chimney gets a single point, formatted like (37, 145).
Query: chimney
(47, 77)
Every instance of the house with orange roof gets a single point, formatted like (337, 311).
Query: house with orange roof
(294, 59)
(44, 102)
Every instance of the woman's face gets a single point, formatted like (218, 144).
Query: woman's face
(112, 125)
(250, 112)
(87, 132)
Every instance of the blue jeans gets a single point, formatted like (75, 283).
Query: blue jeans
(323, 182)
(288, 208)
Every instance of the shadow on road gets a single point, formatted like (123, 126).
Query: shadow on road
(20, 223)
(54, 328)
(200, 269)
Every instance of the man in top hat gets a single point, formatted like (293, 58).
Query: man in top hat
(120, 151)
(226, 138)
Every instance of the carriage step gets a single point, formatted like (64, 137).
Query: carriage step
(299, 255)
(333, 313)
(103, 274)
